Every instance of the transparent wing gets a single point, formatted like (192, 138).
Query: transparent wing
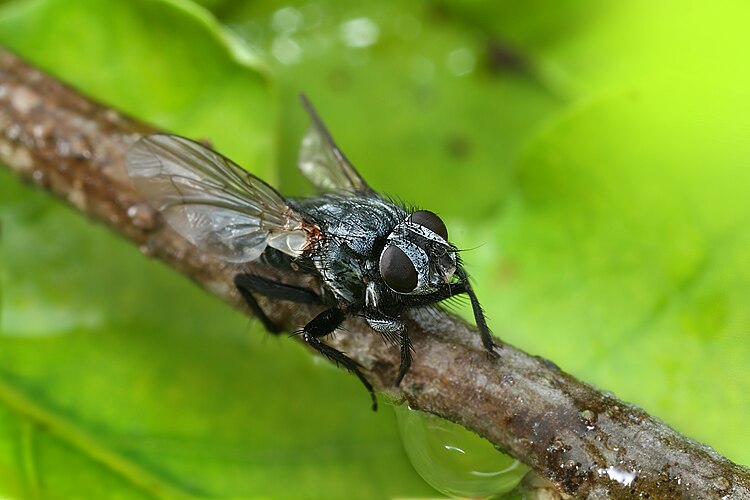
(322, 161)
(211, 201)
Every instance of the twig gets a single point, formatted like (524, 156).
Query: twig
(586, 442)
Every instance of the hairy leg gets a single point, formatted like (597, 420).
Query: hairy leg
(324, 324)
(393, 331)
(248, 284)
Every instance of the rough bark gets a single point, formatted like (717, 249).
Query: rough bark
(585, 441)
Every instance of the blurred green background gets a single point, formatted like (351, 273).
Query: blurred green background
(595, 156)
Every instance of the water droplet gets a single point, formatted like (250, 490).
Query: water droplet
(622, 476)
(422, 70)
(359, 32)
(312, 14)
(461, 61)
(589, 419)
(453, 460)
(286, 50)
(286, 20)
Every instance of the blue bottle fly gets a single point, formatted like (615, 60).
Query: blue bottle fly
(373, 257)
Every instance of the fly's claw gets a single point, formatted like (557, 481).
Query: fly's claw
(492, 351)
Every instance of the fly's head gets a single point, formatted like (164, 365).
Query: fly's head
(417, 258)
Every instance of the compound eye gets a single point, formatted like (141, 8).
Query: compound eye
(430, 221)
(397, 270)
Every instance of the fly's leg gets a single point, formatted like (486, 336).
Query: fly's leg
(458, 288)
(248, 284)
(324, 324)
(393, 330)
(276, 289)
(431, 298)
(320, 326)
(484, 330)
(405, 356)
(481, 322)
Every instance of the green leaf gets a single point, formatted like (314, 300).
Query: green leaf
(168, 62)
(410, 110)
(625, 253)
(601, 183)
(600, 172)
(118, 378)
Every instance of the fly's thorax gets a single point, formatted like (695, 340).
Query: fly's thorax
(352, 215)
(344, 271)
(416, 260)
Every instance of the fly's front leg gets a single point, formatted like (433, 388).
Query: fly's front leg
(394, 331)
(324, 324)
(481, 322)
(431, 298)
(248, 284)
(453, 290)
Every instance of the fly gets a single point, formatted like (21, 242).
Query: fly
(374, 258)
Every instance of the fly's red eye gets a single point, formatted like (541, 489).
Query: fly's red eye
(430, 221)
(397, 270)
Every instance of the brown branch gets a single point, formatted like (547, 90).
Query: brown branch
(586, 442)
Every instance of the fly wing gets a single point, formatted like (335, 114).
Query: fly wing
(323, 163)
(213, 202)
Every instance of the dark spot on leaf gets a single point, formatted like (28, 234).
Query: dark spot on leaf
(458, 146)
(503, 58)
